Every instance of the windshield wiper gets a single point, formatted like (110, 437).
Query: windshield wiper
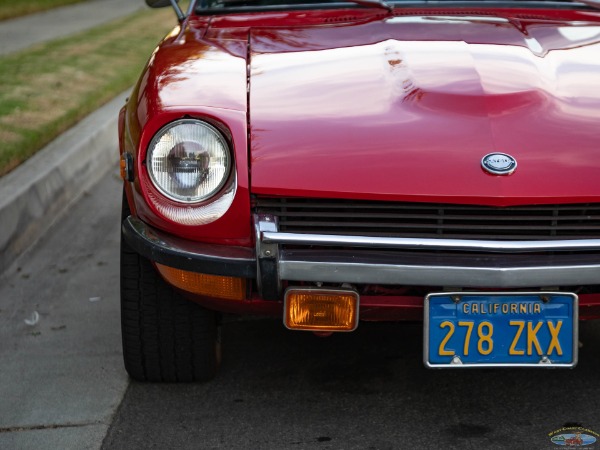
(380, 4)
(592, 3)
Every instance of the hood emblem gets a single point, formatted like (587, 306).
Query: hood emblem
(499, 163)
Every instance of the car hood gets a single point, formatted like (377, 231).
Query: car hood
(406, 108)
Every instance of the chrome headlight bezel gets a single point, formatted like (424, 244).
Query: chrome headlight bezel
(190, 195)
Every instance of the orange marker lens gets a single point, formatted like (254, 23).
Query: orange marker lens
(123, 167)
(321, 309)
(229, 288)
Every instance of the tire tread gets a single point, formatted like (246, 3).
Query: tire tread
(165, 337)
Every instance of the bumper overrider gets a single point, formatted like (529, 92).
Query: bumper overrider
(281, 260)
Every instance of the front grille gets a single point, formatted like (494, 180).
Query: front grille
(428, 220)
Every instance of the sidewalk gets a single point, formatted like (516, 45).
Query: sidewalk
(23, 32)
(36, 193)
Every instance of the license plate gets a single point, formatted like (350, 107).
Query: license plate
(500, 329)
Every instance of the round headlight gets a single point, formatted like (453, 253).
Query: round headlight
(188, 161)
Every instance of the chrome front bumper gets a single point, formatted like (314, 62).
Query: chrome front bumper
(366, 260)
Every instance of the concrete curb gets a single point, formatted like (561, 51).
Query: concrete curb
(35, 194)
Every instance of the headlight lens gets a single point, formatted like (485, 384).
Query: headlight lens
(188, 161)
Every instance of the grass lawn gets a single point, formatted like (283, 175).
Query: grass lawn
(15, 8)
(48, 88)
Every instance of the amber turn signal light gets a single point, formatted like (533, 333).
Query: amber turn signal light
(126, 166)
(229, 288)
(321, 309)
(123, 167)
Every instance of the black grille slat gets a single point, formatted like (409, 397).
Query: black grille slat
(426, 220)
(298, 203)
(433, 226)
(437, 217)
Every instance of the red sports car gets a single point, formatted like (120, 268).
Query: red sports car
(331, 162)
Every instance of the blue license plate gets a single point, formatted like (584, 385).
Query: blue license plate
(500, 329)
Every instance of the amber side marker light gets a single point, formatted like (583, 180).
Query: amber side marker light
(229, 288)
(123, 167)
(321, 309)
(126, 166)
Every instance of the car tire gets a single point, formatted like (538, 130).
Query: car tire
(165, 337)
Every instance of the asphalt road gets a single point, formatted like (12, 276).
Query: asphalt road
(365, 390)
(62, 384)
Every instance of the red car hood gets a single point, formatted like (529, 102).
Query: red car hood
(405, 109)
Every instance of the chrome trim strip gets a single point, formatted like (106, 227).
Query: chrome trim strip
(499, 265)
(442, 275)
(431, 244)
